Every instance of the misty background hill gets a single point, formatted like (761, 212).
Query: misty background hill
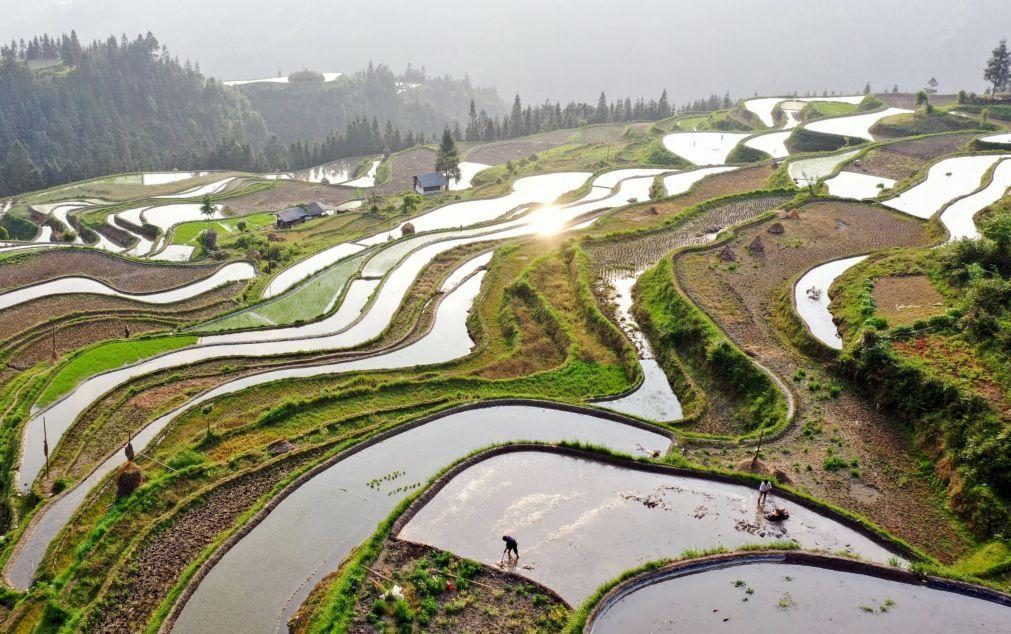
(563, 49)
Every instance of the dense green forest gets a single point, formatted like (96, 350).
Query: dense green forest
(109, 107)
(303, 110)
(70, 112)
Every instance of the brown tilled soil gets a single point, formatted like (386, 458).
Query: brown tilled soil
(141, 587)
(902, 160)
(907, 100)
(905, 299)
(121, 274)
(496, 601)
(286, 194)
(404, 166)
(82, 333)
(725, 184)
(501, 152)
(23, 317)
(881, 478)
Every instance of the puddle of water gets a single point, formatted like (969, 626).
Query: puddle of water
(703, 148)
(174, 253)
(858, 125)
(958, 218)
(681, 182)
(946, 180)
(262, 580)
(369, 180)
(1002, 139)
(857, 186)
(202, 190)
(773, 144)
(763, 106)
(807, 171)
(796, 598)
(69, 285)
(654, 399)
(468, 170)
(587, 521)
(812, 299)
(164, 178)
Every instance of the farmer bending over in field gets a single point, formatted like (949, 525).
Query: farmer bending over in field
(511, 548)
(763, 491)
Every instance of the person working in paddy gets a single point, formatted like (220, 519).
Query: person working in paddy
(763, 491)
(512, 548)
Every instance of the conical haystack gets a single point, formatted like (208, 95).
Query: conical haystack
(776, 229)
(757, 246)
(128, 479)
(727, 254)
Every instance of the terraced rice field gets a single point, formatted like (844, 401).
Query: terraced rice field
(281, 409)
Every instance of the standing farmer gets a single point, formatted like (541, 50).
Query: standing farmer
(511, 548)
(763, 491)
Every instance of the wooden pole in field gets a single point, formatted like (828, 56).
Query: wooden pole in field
(45, 445)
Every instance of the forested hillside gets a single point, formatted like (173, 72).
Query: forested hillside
(110, 107)
(410, 101)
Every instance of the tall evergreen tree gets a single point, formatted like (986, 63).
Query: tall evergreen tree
(447, 159)
(998, 67)
(19, 173)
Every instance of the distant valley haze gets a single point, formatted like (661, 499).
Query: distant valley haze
(562, 49)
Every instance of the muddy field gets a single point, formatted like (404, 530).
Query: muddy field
(403, 167)
(902, 160)
(77, 335)
(907, 100)
(725, 184)
(839, 448)
(287, 193)
(903, 300)
(503, 151)
(642, 252)
(487, 600)
(120, 273)
(24, 317)
(162, 558)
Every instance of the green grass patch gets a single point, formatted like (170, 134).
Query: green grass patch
(107, 356)
(825, 109)
(300, 304)
(189, 233)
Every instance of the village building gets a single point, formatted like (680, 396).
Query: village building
(297, 215)
(430, 183)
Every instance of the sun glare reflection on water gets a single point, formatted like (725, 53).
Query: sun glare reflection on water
(547, 221)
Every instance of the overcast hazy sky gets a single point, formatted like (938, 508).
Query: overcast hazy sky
(564, 49)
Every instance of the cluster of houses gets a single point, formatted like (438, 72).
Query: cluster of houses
(424, 184)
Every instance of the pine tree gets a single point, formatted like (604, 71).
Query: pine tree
(19, 173)
(998, 67)
(447, 159)
(600, 114)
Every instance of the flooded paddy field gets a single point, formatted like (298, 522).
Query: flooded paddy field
(580, 522)
(262, 579)
(764, 594)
